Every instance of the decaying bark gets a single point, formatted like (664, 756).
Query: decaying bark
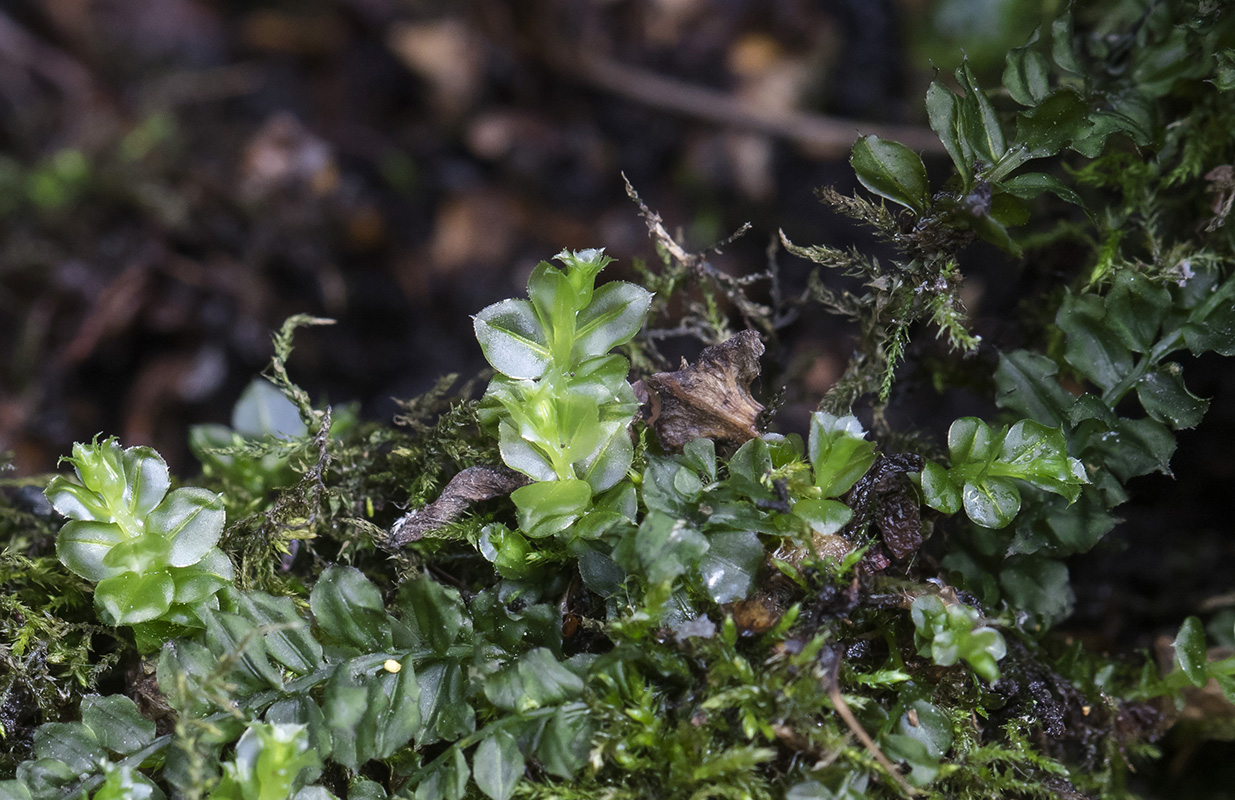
(470, 486)
(710, 399)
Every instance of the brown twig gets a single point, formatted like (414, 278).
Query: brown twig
(842, 708)
(832, 136)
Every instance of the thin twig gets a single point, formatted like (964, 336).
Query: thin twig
(832, 136)
(842, 708)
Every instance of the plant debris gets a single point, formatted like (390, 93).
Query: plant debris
(710, 399)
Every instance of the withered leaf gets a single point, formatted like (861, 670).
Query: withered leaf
(711, 399)
(470, 486)
(885, 497)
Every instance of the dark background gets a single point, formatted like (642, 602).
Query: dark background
(179, 176)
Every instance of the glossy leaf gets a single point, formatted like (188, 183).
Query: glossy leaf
(69, 742)
(549, 507)
(892, 171)
(512, 339)
(1091, 346)
(81, 546)
(1025, 383)
(1031, 184)
(126, 783)
(614, 316)
(992, 503)
(1167, 400)
(1135, 308)
(1026, 75)
(1038, 585)
(729, 567)
(607, 465)
(434, 613)
(286, 633)
(191, 519)
(667, 547)
(232, 637)
(943, 111)
(938, 490)
(979, 122)
(839, 452)
(534, 681)
(445, 713)
(349, 609)
(826, 517)
(1053, 124)
(196, 583)
(566, 742)
(1189, 647)
(116, 723)
(448, 781)
(497, 765)
(131, 597)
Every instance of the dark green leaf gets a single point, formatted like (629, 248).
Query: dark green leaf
(1063, 49)
(1079, 526)
(728, 568)
(70, 742)
(938, 490)
(1092, 347)
(448, 781)
(444, 711)
(233, 637)
(535, 680)
(1025, 383)
(1135, 308)
(701, 455)
(929, 725)
(1189, 648)
(1038, 585)
(349, 609)
(1166, 399)
(943, 111)
(116, 723)
(1053, 124)
(668, 547)
(394, 703)
(567, 739)
(300, 709)
(46, 778)
(434, 613)
(1032, 184)
(1026, 75)
(1137, 447)
(497, 765)
(979, 123)
(892, 171)
(287, 635)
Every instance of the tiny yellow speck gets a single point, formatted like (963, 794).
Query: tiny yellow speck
(1085, 710)
(392, 666)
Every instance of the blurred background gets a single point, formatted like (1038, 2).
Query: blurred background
(179, 176)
